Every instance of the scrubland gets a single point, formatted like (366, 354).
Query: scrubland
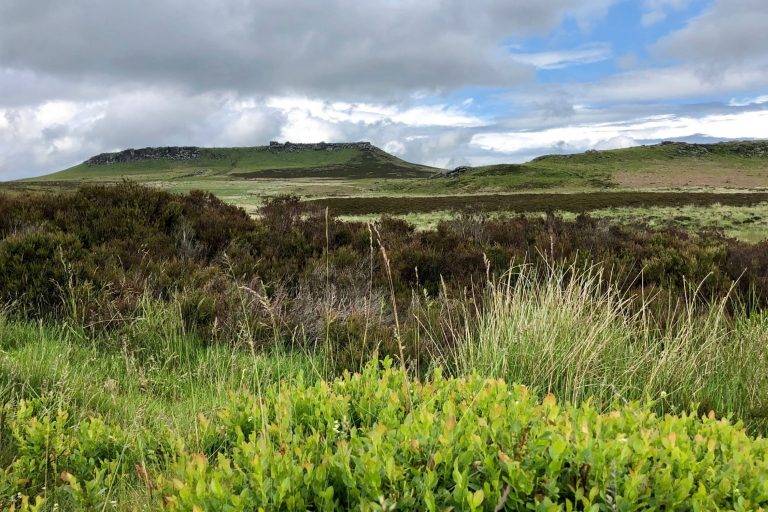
(163, 351)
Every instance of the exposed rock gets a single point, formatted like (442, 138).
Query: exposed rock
(685, 149)
(290, 147)
(192, 153)
(134, 155)
(750, 149)
(746, 148)
(455, 173)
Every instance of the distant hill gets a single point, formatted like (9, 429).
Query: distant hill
(360, 168)
(742, 165)
(287, 160)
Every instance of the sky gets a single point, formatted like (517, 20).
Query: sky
(438, 82)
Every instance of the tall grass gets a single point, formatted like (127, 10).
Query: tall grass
(564, 330)
(152, 379)
(571, 333)
(152, 375)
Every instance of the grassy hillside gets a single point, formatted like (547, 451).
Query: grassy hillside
(341, 161)
(731, 165)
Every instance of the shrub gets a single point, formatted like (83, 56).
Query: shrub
(71, 461)
(104, 247)
(36, 267)
(379, 441)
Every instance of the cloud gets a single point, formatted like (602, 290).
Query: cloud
(56, 134)
(672, 82)
(334, 48)
(574, 138)
(729, 34)
(759, 100)
(557, 59)
(655, 11)
(371, 113)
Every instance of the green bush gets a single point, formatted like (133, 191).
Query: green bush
(73, 462)
(379, 441)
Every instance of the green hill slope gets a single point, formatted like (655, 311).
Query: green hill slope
(323, 160)
(246, 175)
(742, 165)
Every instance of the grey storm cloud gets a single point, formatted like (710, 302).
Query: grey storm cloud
(269, 46)
(730, 33)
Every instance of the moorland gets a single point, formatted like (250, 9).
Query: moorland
(328, 327)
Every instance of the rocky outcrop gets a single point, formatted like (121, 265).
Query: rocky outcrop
(744, 148)
(458, 171)
(749, 149)
(134, 155)
(290, 147)
(193, 153)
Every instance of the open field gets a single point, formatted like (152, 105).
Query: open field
(749, 223)
(575, 202)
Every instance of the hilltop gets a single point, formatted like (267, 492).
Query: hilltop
(348, 160)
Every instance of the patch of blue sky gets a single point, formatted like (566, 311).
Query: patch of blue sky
(626, 41)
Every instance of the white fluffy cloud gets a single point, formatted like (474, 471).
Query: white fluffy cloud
(759, 100)
(371, 113)
(672, 82)
(751, 124)
(730, 34)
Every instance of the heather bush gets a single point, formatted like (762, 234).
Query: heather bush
(90, 255)
(36, 267)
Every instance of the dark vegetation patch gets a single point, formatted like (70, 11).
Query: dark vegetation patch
(92, 256)
(372, 163)
(576, 202)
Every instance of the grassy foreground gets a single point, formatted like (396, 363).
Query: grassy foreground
(171, 352)
(600, 410)
(381, 441)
